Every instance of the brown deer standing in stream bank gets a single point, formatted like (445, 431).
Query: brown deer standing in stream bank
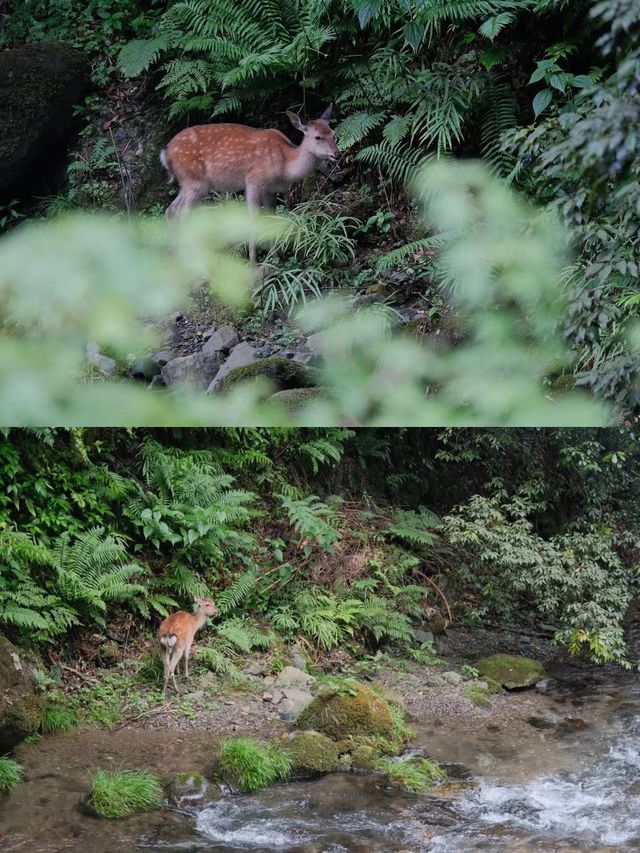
(175, 637)
(234, 157)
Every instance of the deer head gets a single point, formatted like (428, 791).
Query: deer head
(319, 139)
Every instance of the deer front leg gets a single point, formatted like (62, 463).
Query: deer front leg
(254, 198)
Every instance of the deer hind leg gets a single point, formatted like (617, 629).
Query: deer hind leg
(190, 194)
(173, 664)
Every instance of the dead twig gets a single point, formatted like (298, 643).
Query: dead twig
(438, 590)
(89, 678)
(148, 713)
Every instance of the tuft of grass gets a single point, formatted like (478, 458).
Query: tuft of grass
(11, 774)
(251, 764)
(416, 774)
(58, 718)
(119, 793)
(477, 694)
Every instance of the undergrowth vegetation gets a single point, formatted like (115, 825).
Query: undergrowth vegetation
(448, 526)
(118, 793)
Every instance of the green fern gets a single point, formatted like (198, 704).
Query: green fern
(416, 528)
(91, 571)
(138, 55)
(312, 519)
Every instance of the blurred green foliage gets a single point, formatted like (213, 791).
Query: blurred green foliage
(117, 280)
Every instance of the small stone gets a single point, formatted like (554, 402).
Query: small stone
(423, 636)
(435, 681)
(277, 697)
(267, 697)
(255, 667)
(452, 677)
(106, 365)
(268, 680)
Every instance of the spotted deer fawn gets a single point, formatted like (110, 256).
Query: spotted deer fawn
(233, 157)
(175, 637)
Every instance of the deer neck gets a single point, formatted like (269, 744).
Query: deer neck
(301, 164)
(201, 618)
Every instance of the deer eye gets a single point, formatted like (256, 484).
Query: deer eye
(318, 139)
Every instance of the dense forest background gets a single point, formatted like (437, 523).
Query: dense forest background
(328, 536)
(544, 92)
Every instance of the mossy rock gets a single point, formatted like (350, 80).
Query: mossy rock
(39, 86)
(364, 757)
(285, 373)
(295, 399)
(21, 715)
(511, 671)
(188, 788)
(352, 710)
(314, 752)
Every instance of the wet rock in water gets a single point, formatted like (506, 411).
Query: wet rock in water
(104, 363)
(541, 722)
(195, 370)
(145, 368)
(572, 724)
(312, 753)
(511, 671)
(188, 789)
(21, 703)
(547, 686)
(221, 340)
(452, 677)
(242, 355)
(40, 84)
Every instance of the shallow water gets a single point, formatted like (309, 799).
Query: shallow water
(573, 785)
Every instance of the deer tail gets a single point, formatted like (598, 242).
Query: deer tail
(168, 640)
(167, 167)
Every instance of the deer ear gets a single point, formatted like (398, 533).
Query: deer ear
(326, 115)
(296, 121)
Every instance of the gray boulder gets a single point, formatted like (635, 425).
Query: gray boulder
(195, 370)
(241, 355)
(292, 677)
(221, 340)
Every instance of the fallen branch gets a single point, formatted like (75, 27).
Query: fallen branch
(79, 674)
(438, 590)
(147, 713)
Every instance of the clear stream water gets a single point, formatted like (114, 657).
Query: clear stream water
(593, 804)
(573, 785)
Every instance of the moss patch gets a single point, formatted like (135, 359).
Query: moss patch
(477, 694)
(313, 751)
(295, 399)
(511, 671)
(283, 372)
(349, 709)
(416, 774)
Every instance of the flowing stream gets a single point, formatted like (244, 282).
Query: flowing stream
(591, 804)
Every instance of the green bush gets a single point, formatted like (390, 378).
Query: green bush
(119, 793)
(11, 774)
(250, 764)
